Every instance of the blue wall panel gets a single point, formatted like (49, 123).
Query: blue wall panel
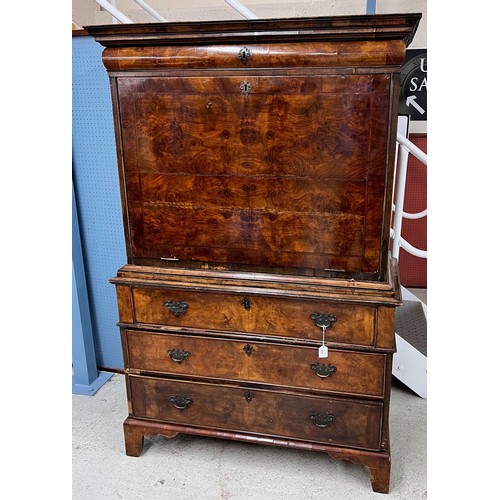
(95, 177)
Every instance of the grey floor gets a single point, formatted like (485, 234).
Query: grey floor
(420, 293)
(189, 467)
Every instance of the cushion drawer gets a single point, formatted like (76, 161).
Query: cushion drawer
(277, 316)
(311, 418)
(258, 55)
(344, 372)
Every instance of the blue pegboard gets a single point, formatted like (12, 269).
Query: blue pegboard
(95, 177)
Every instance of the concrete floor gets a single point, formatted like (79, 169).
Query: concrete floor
(420, 293)
(189, 467)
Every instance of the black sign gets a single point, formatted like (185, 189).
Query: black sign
(413, 98)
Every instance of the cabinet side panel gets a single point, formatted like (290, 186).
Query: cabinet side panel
(385, 328)
(390, 170)
(125, 305)
(121, 170)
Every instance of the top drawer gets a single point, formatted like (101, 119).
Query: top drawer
(251, 55)
(274, 316)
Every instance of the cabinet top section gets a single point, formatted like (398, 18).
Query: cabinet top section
(317, 29)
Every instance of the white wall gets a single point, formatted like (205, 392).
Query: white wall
(88, 12)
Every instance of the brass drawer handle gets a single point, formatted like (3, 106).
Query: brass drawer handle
(322, 370)
(244, 54)
(321, 419)
(323, 320)
(181, 402)
(177, 308)
(178, 355)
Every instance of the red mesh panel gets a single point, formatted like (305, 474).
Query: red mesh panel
(413, 270)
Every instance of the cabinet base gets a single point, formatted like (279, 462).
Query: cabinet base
(379, 463)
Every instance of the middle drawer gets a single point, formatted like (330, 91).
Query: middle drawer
(343, 372)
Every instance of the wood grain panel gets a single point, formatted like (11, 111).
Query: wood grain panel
(307, 195)
(279, 129)
(263, 193)
(167, 226)
(199, 192)
(280, 172)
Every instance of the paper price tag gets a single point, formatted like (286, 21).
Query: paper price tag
(323, 352)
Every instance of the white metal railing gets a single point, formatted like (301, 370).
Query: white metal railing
(117, 14)
(244, 11)
(405, 147)
(150, 10)
(122, 18)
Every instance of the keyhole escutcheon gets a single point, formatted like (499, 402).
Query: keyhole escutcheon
(245, 87)
(244, 55)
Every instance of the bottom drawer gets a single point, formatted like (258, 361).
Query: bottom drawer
(320, 419)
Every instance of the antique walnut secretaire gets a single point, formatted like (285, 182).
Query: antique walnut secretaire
(256, 165)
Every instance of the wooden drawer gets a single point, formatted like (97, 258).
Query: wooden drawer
(312, 418)
(282, 317)
(344, 372)
(256, 55)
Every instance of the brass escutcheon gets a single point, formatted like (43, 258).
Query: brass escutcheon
(245, 88)
(244, 55)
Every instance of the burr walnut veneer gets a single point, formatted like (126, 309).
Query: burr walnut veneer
(256, 169)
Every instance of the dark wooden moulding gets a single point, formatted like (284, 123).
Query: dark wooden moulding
(256, 163)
